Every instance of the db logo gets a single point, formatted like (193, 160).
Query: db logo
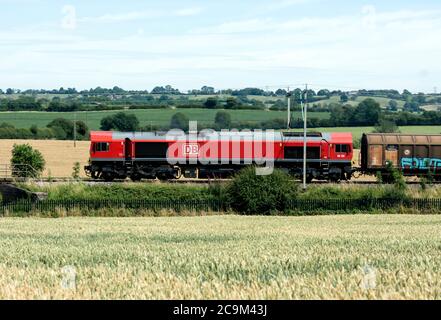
(191, 149)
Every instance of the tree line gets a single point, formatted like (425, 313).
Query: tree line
(366, 113)
(57, 129)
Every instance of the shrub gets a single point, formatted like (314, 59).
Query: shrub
(396, 177)
(76, 170)
(249, 193)
(26, 161)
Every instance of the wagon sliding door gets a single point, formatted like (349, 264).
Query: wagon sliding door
(375, 156)
(391, 155)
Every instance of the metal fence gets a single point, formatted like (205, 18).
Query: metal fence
(351, 205)
(26, 206)
(213, 205)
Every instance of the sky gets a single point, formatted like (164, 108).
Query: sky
(136, 44)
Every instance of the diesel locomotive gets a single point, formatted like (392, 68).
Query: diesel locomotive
(151, 155)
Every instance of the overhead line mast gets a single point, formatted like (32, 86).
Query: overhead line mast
(288, 95)
(305, 116)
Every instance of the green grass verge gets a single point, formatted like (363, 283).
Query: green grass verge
(158, 191)
(126, 191)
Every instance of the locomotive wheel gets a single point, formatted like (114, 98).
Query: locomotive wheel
(95, 175)
(108, 177)
(135, 178)
(334, 178)
(178, 173)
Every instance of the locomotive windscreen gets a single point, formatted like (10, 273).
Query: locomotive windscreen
(297, 152)
(151, 150)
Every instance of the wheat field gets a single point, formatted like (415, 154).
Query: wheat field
(222, 257)
(60, 156)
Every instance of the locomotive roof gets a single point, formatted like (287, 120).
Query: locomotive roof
(107, 136)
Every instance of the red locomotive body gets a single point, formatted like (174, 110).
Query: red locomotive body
(217, 154)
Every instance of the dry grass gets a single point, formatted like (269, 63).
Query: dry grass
(60, 156)
(223, 257)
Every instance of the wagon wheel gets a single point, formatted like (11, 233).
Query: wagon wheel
(335, 178)
(135, 177)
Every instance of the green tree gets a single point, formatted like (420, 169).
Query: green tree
(26, 161)
(367, 113)
(249, 193)
(65, 125)
(211, 103)
(179, 121)
(121, 122)
(393, 105)
(222, 120)
(231, 103)
(344, 98)
(34, 129)
(82, 128)
(386, 126)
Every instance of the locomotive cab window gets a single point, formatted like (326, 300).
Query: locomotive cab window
(102, 146)
(342, 148)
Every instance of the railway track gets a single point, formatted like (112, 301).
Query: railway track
(188, 181)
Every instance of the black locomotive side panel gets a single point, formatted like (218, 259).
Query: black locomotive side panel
(151, 150)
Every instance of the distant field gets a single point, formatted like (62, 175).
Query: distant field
(146, 117)
(382, 101)
(358, 131)
(222, 257)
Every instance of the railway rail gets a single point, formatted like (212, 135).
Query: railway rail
(189, 181)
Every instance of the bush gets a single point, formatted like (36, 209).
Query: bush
(249, 193)
(76, 170)
(26, 161)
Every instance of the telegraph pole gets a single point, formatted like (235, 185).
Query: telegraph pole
(305, 117)
(75, 129)
(288, 95)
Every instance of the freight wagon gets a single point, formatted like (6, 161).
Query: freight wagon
(413, 155)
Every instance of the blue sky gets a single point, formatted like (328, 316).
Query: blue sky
(226, 44)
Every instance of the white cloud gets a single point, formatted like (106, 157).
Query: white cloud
(119, 17)
(139, 15)
(341, 50)
(188, 12)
